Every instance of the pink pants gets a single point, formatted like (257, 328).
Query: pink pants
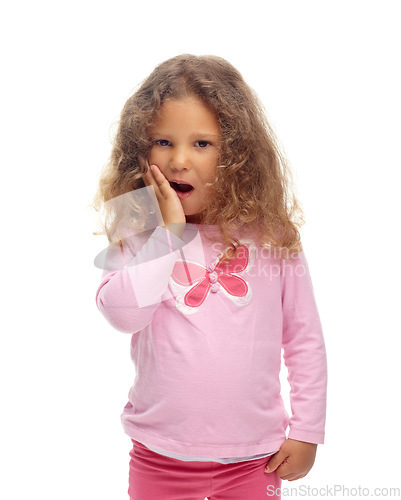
(153, 476)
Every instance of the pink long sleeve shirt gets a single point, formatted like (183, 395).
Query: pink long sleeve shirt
(207, 339)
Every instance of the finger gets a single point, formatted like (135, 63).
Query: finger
(145, 178)
(289, 477)
(162, 183)
(149, 180)
(284, 470)
(276, 460)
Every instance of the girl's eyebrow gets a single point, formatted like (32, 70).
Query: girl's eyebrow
(197, 135)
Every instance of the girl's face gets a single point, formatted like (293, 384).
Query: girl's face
(186, 140)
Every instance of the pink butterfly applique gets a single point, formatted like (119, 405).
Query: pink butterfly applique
(210, 278)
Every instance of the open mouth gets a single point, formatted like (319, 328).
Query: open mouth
(181, 187)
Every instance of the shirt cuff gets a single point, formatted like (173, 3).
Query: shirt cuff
(307, 436)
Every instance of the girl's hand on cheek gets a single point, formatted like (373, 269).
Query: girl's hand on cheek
(169, 203)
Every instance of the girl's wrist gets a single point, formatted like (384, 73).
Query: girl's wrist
(175, 228)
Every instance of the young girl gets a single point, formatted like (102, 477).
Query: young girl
(212, 294)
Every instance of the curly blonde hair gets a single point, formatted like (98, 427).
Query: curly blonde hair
(252, 185)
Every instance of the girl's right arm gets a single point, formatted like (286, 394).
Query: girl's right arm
(129, 296)
(136, 278)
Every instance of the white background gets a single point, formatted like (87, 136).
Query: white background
(328, 75)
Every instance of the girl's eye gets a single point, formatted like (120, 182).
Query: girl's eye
(202, 144)
(163, 142)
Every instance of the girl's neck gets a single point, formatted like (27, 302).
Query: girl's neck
(194, 219)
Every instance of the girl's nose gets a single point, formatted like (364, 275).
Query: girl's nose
(181, 158)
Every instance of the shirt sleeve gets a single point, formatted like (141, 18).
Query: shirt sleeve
(304, 353)
(135, 279)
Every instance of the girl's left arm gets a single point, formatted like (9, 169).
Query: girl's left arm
(304, 355)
